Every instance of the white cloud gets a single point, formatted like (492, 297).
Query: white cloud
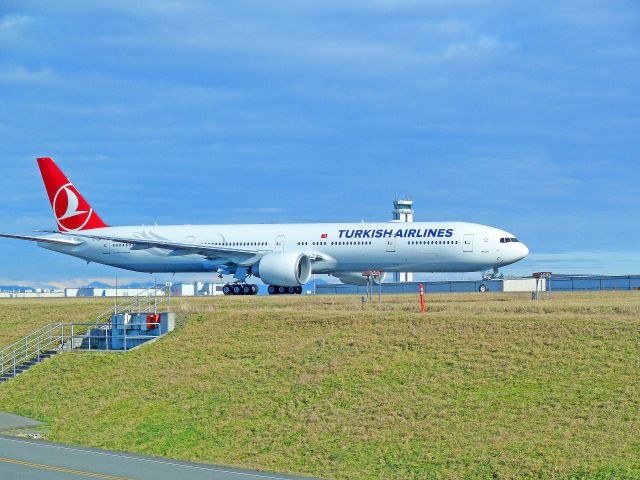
(483, 44)
(11, 24)
(25, 75)
(259, 210)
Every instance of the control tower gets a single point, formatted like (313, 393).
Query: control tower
(403, 212)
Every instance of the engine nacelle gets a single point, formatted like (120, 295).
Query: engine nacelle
(287, 269)
(356, 278)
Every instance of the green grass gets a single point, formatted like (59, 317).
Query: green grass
(19, 317)
(482, 386)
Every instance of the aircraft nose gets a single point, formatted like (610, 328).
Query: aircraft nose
(524, 250)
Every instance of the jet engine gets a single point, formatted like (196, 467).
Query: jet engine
(287, 269)
(356, 278)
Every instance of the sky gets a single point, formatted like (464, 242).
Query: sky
(520, 115)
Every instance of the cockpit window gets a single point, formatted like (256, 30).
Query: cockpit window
(508, 240)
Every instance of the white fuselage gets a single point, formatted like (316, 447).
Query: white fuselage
(343, 247)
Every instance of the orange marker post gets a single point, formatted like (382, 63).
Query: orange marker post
(422, 298)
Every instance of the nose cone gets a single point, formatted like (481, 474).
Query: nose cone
(511, 249)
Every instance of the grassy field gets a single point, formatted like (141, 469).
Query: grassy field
(19, 317)
(481, 386)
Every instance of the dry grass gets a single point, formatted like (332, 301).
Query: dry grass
(482, 386)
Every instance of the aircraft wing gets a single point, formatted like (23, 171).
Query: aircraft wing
(237, 255)
(59, 241)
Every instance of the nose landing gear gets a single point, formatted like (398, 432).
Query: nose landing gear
(495, 274)
(492, 275)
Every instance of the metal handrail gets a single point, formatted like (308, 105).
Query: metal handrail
(29, 335)
(136, 302)
(30, 346)
(23, 344)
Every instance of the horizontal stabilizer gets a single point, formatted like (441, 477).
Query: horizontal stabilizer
(59, 241)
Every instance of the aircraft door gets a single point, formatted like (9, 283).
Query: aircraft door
(467, 244)
(391, 244)
(279, 244)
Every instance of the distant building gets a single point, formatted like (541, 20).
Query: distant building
(403, 212)
(106, 292)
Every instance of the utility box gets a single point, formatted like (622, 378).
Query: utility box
(522, 285)
(129, 330)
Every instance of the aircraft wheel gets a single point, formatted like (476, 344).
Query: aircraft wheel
(482, 288)
(247, 290)
(298, 290)
(292, 290)
(226, 290)
(271, 290)
(254, 289)
(237, 290)
(282, 290)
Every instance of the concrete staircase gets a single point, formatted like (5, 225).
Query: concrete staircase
(24, 366)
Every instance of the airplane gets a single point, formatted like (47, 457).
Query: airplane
(283, 256)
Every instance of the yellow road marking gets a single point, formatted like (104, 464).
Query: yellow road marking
(60, 469)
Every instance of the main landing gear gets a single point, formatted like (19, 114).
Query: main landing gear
(277, 290)
(240, 289)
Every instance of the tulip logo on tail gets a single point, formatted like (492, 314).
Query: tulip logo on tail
(71, 210)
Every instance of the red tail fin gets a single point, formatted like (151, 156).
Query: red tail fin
(71, 210)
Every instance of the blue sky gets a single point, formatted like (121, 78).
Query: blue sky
(521, 115)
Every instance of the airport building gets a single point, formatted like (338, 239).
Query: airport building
(190, 289)
(34, 293)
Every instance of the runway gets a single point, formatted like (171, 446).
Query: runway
(35, 460)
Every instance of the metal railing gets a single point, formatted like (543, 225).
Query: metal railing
(149, 297)
(86, 336)
(29, 348)
(59, 337)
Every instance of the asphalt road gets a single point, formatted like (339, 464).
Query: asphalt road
(35, 460)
